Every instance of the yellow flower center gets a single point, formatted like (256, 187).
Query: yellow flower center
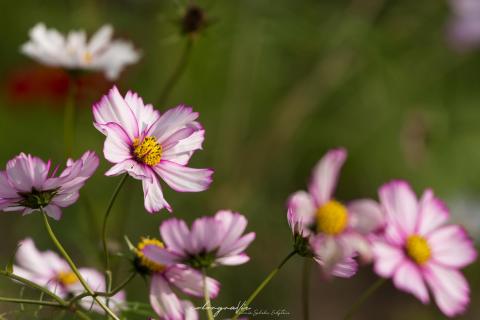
(149, 151)
(332, 218)
(418, 249)
(146, 262)
(87, 57)
(67, 278)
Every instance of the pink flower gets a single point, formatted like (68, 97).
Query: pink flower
(26, 185)
(154, 260)
(332, 232)
(419, 249)
(212, 241)
(464, 26)
(149, 145)
(49, 270)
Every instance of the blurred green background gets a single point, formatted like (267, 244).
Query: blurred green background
(277, 83)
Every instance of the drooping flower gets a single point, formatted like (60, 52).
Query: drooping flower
(49, 270)
(463, 29)
(73, 52)
(148, 145)
(419, 248)
(28, 186)
(328, 230)
(216, 240)
(153, 259)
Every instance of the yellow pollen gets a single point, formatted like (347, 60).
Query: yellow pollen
(332, 218)
(88, 57)
(418, 249)
(144, 261)
(67, 278)
(149, 151)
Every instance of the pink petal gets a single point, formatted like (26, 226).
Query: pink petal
(146, 115)
(184, 179)
(452, 247)
(365, 216)
(433, 213)
(233, 260)
(301, 212)
(29, 258)
(408, 278)
(329, 251)
(153, 195)
(171, 121)
(400, 204)
(117, 147)
(325, 175)
(53, 211)
(25, 171)
(114, 109)
(6, 189)
(176, 235)
(181, 151)
(358, 243)
(163, 299)
(234, 225)
(159, 255)
(449, 288)
(190, 281)
(236, 247)
(189, 310)
(345, 269)
(387, 258)
(205, 234)
(132, 167)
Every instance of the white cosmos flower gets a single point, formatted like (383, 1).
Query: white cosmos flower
(73, 51)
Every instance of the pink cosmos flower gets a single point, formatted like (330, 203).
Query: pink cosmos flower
(148, 145)
(332, 232)
(420, 249)
(49, 270)
(154, 260)
(216, 240)
(27, 184)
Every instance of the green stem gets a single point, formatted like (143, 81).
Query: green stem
(306, 288)
(69, 119)
(105, 294)
(177, 73)
(35, 302)
(74, 267)
(206, 295)
(108, 272)
(262, 285)
(33, 286)
(364, 297)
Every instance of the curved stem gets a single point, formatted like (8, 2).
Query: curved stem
(105, 220)
(364, 297)
(33, 286)
(105, 294)
(306, 289)
(177, 73)
(206, 295)
(262, 285)
(74, 267)
(35, 302)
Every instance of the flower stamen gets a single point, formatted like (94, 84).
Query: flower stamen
(67, 278)
(332, 218)
(149, 151)
(417, 249)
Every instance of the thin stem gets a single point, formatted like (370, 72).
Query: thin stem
(105, 294)
(74, 267)
(262, 285)
(206, 295)
(35, 302)
(69, 118)
(33, 286)
(306, 288)
(105, 221)
(364, 297)
(177, 73)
